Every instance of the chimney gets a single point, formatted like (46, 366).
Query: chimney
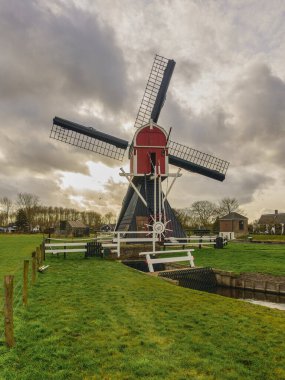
(276, 212)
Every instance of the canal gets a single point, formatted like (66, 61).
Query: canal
(204, 279)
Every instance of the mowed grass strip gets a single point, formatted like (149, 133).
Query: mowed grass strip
(243, 257)
(98, 319)
(239, 257)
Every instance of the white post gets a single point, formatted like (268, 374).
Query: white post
(149, 263)
(159, 194)
(153, 240)
(163, 208)
(154, 182)
(118, 244)
(191, 259)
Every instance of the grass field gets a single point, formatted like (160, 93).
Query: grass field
(240, 257)
(269, 237)
(14, 249)
(96, 319)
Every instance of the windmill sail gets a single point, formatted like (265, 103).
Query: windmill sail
(196, 161)
(88, 138)
(155, 92)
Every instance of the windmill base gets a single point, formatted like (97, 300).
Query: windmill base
(135, 216)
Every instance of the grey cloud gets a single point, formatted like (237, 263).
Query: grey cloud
(68, 53)
(46, 188)
(248, 127)
(208, 131)
(50, 64)
(256, 118)
(187, 72)
(50, 193)
(108, 200)
(241, 183)
(258, 102)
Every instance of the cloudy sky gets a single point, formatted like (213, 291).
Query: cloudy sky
(88, 61)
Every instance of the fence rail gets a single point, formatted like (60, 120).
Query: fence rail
(150, 260)
(110, 240)
(115, 239)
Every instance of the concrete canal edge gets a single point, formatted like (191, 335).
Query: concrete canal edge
(210, 277)
(251, 281)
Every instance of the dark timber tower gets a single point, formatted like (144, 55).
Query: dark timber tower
(145, 205)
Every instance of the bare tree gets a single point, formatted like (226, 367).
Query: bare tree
(29, 203)
(6, 205)
(109, 218)
(205, 212)
(186, 218)
(228, 205)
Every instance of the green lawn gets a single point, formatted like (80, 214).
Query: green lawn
(239, 257)
(14, 249)
(97, 319)
(242, 257)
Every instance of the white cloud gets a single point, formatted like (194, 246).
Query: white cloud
(99, 175)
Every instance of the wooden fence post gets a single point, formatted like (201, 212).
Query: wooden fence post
(41, 256)
(34, 267)
(38, 256)
(43, 250)
(25, 282)
(8, 311)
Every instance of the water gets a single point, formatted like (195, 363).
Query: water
(273, 301)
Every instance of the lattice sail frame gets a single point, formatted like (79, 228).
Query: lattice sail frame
(86, 142)
(151, 91)
(196, 157)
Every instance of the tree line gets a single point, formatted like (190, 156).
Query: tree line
(27, 212)
(205, 214)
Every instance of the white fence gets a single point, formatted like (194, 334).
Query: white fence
(151, 261)
(227, 235)
(113, 240)
(191, 241)
(120, 237)
(57, 246)
(109, 240)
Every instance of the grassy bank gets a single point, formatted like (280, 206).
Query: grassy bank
(96, 319)
(239, 257)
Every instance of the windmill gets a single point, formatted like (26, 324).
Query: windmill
(145, 206)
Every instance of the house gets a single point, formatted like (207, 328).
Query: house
(73, 228)
(272, 223)
(233, 225)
